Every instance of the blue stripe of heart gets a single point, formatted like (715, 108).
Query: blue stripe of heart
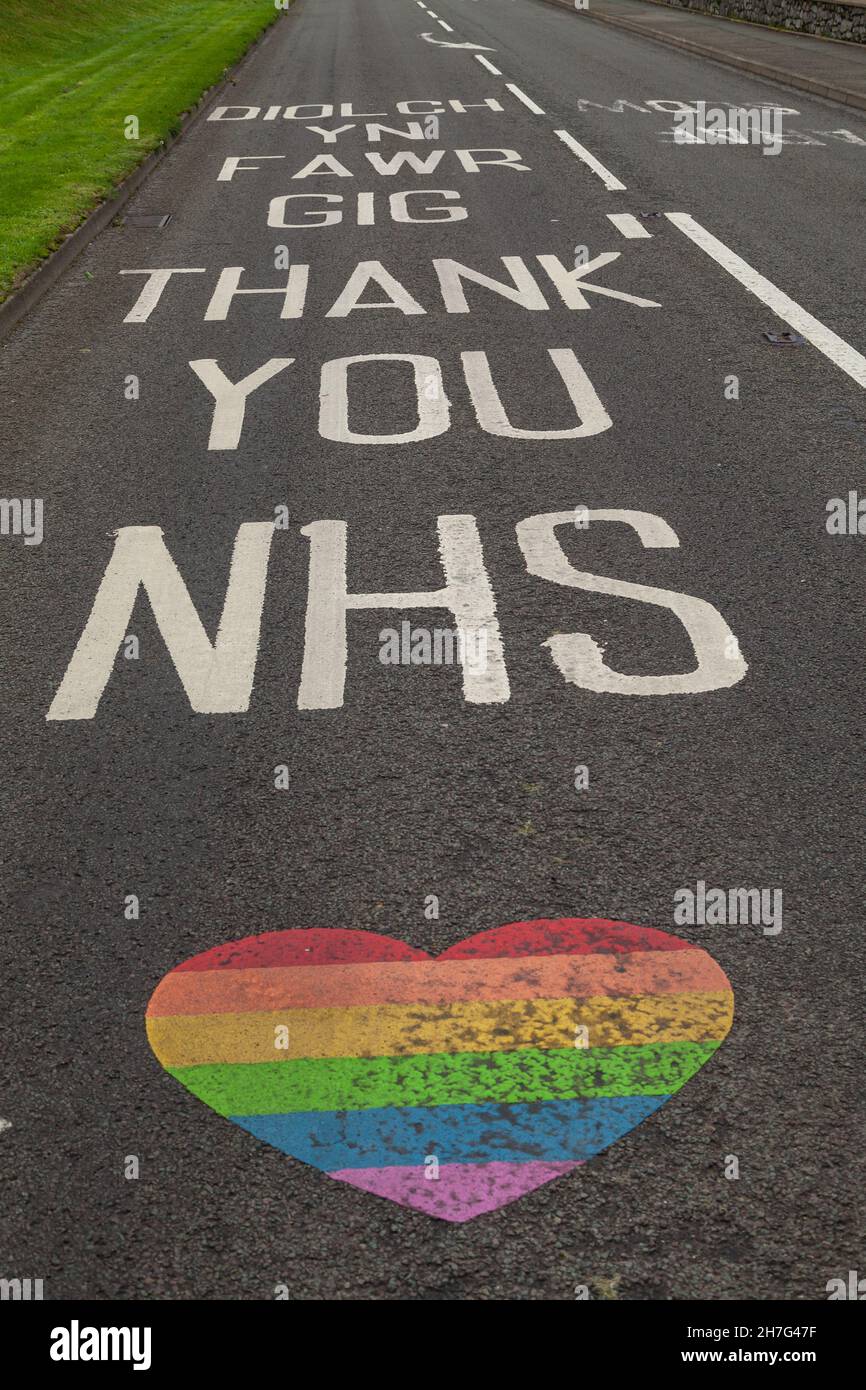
(555, 1130)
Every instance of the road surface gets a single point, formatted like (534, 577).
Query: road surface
(616, 383)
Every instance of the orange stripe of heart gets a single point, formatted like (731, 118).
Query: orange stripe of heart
(435, 982)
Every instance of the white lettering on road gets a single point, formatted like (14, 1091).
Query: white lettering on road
(524, 290)
(324, 164)
(328, 166)
(847, 136)
(580, 659)
(366, 208)
(231, 397)
(294, 292)
(572, 286)
(400, 211)
(511, 160)
(238, 163)
(329, 137)
(433, 406)
(373, 273)
(414, 131)
(404, 159)
(490, 412)
(467, 594)
(218, 678)
(313, 217)
(571, 283)
(152, 292)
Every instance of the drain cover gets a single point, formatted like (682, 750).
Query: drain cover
(785, 339)
(644, 215)
(147, 219)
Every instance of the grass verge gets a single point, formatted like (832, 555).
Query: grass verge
(71, 72)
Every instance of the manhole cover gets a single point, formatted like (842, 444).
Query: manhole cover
(146, 219)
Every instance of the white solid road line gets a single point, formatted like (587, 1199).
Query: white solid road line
(609, 180)
(445, 26)
(527, 101)
(488, 66)
(821, 337)
(627, 223)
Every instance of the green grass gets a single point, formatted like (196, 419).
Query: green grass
(71, 71)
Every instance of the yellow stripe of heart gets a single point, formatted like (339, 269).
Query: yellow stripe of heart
(402, 1030)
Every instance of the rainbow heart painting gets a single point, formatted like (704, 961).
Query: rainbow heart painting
(453, 1084)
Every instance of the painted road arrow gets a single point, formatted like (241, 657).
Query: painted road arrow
(441, 43)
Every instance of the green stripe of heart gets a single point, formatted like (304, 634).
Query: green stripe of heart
(362, 1083)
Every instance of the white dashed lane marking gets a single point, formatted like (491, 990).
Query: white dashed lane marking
(627, 223)
(527, 101)
(610, 181)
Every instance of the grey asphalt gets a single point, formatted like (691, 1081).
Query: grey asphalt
(407, 790)
(831, 68)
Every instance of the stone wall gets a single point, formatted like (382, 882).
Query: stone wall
(832, 21)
